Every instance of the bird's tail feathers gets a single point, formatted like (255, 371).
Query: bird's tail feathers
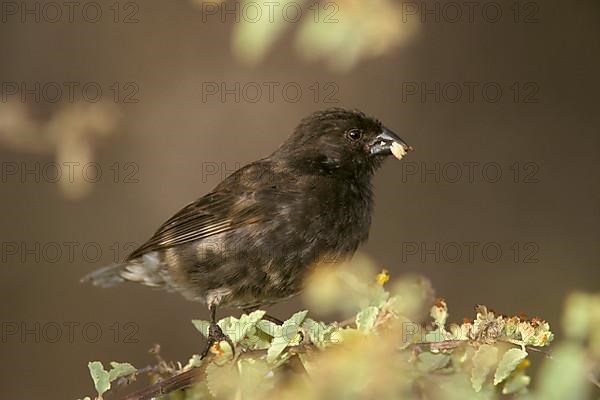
(146, 270)
(107, 276)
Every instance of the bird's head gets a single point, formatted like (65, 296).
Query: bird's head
(347, 141)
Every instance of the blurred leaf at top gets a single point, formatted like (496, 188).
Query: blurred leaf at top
(340, 33)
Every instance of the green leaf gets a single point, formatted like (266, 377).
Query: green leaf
(268, 327)
(365, 320)
(237, 329)
(297, 318)
(249, 321)
(119, 370)
(230, 327)
(256, 339)
(254, 380)
(429, 362)
(201, 326)
(313, 330)
(318, 333)
(483, 362)
(99, 376)
(289, 332)
(278, 344)
(508, 363)
(516, 383)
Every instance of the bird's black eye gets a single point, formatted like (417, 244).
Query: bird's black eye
(354, 134)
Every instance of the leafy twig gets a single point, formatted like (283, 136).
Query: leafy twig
(180, 381)
(188, 378)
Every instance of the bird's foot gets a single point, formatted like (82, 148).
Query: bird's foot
(215, 337)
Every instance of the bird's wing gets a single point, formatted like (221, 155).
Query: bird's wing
(231, 205)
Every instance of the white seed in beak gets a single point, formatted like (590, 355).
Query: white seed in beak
(398, 150)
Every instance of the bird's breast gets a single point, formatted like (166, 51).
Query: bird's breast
(337, 216)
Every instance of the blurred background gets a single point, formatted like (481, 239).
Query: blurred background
(113, 115)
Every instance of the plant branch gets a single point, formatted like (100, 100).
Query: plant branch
(180, 381)
(188, 378)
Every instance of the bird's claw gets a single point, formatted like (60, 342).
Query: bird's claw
(216, 336)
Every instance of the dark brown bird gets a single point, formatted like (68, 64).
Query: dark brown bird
(251, 241)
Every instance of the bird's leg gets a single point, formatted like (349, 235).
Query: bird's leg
(267, 317)
(215, 334)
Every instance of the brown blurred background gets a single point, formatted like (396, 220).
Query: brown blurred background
(164, 132)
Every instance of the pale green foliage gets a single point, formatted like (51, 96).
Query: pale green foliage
(396, 344)
(102, 378)
(341, 33)
(99, 376)
(484, 362)
(510, 360)
(365, 319)
(428, 362)
(287, 335)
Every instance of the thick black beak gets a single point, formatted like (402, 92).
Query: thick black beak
(385, 140)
